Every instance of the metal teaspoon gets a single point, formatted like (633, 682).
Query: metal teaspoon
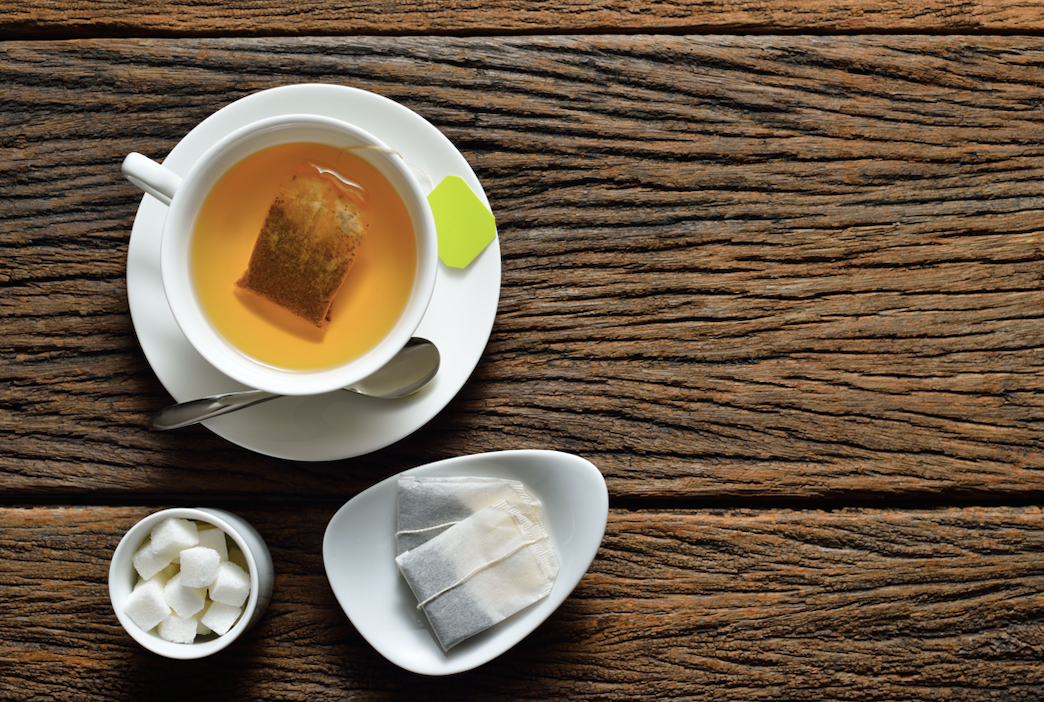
(407, 372)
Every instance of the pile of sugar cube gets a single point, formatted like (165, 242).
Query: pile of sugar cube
(190, 582)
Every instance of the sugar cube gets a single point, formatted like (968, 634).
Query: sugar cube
(146, 605)
(147, 562)
(178, 629)
(184, 600)
(199, 566)
(231, 586)
(220, 617)
(173, 535)
(214, 538)
(164, 575)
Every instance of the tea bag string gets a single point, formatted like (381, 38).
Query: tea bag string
(421, 531)
(431, 183)
(479, 569)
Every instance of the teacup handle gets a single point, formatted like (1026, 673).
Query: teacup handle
(151, 177)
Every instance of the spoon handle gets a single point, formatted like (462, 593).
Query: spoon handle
(195, 411)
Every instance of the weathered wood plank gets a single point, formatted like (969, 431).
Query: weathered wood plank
(705, 605)
(186, 18)
(733, 267)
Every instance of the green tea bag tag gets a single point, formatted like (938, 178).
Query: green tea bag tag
(464, 224)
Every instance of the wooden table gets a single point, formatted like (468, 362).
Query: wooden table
(775, 268)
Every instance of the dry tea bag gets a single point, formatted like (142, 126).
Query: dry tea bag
(428, 506)
(481, 570)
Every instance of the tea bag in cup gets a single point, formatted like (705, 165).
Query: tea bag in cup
(481, 570)
(428, 506)
(308, 243)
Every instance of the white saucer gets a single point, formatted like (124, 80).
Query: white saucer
(359, 554)
(340, 424)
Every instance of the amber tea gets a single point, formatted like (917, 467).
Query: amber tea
(375, 290)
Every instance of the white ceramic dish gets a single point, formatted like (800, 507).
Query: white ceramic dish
(339, 424)
(122, 578)
(359, 553)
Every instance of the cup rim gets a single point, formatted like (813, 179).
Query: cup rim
(122, 577)
(192, 320)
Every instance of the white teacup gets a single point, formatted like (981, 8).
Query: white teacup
(185, 197)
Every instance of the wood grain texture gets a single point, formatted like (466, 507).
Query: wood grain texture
(186, 18)
(758, 267)
(701, 605)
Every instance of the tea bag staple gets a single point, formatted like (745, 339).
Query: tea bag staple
(481, 570)
(428, 506)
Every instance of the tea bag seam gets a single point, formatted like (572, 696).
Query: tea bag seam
(545, 556)
(477, 570)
